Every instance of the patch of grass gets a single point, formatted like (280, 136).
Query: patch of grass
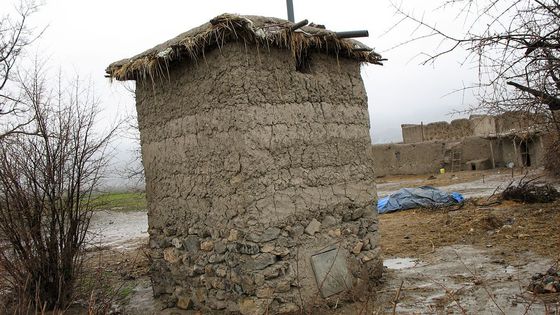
(120, 201)
(125, 293)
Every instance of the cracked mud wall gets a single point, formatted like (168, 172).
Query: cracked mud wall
(252, 167)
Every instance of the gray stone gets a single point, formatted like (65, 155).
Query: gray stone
(214, 259)
(370, 239)
(272, 272)
(331, 272)
(233, 235)
(220, 247)
(289, 308)
(191, 243)
(285, 242)
(171, 255)
(352, 228)
(372, 228)
(275, 271)
(253, 237)
(253, 306)
(205, 233)
(221, 271)
(201, 260)
(358, 213)
(177, 243)
(267, 248)
(158, 242)
(247, 284)
(328, 221)
(297, 230)
(283, 286)
(200, 295)
(184, 303)
(313, 227)
(280, 251)
(368, 255)
(358, 248)
(221, 295)
(198, 270)
(264, 292)
(260, 262)
(207, 245)
(247, 248)
(218, 283)
(169, 231)
(270, 234)
(259, 279)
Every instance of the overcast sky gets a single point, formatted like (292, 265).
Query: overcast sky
(83, 37)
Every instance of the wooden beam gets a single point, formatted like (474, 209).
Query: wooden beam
(492, 155)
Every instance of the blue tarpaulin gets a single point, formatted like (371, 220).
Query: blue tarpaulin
(425, 196)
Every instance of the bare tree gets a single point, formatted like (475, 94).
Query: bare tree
(516, 45)
(15, 36)
(134, 171)
(46, 185)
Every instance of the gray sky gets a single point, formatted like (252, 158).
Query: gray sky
(85, 36)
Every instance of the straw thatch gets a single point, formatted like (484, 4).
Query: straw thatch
(262, 31)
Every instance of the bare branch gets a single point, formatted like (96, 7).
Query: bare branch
(552, 102)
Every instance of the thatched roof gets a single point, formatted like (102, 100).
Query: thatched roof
(263, 31)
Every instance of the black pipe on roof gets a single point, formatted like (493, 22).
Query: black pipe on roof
(351, 34)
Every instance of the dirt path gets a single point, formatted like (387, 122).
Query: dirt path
(476, 260)
(119, 230)
(471, 184)
(465, 279)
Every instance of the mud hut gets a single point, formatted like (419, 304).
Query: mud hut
(254, 135)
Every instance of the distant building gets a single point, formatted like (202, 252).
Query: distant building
(479, 142)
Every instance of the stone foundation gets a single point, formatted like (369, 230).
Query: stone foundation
(257, 181)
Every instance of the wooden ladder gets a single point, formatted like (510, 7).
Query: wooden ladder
(456, 160)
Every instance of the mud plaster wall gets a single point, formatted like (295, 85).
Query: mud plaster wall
(475, 148)
(483, 125)
(252, 167)
(512, 153)
(513, 121)
(412, 133)
(404, 159)
(428, 157)
(440, 130)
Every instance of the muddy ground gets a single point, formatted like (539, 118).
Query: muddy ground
(477, 259)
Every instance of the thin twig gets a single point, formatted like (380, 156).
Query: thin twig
(396, 299)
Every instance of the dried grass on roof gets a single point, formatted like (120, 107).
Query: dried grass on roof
(262, 31)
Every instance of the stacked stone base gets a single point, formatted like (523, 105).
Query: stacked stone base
(257, 269)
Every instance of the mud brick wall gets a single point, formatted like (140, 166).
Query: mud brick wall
(441, 130)
(429, 156)
(408, 158)
(412, 133)
(483, 125)
(457, 129)
(252, 168)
